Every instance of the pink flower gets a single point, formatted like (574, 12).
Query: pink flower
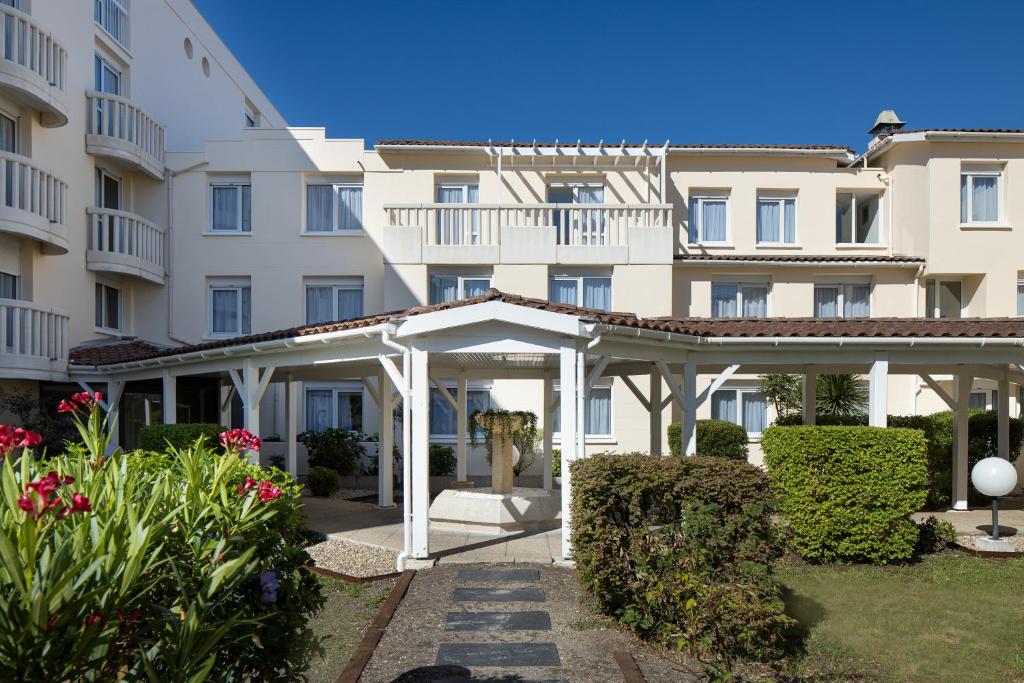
(249, 484)
(239, 441)
(80, 503)
(42, 496)
(12, 438)
(268, 492)
(83, 400)
(65, 407)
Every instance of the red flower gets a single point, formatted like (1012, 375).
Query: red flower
(239, 440)
(41, 496)
(12, 438)
(65, 407)
(94, 618)
(247, 486)
(51, 621)
(267, 491)
(83, 400)
(80, 503)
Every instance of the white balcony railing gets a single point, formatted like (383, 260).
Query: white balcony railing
(112, 16)
(32, 201)
(123, 242)
(33, 64)
(119, 128)
(31, 336)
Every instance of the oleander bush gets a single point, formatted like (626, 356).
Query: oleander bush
(681, 550)
(182, 565)
(159, 437)
(323, 481)
(337, 449)
(846, 493)
(715, 438)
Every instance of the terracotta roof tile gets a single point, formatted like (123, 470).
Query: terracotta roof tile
(799, 258)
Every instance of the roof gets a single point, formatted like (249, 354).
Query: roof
(136, 350)
(591, 145)
(798, 258)
(957, 130)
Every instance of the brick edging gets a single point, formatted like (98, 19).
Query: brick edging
(361, 657)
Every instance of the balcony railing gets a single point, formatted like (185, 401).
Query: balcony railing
(33, 339)
(33, 202)
(33, 65)
(120, 129)
(112, 16)
(122, 242)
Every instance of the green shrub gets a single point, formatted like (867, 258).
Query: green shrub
(715, 438)
(846, 493)
(556, 462)
(681, 551)
(323, 481)
(338, 449)
(442, 460)
(934, 535)
(159, 437)
(825, 420)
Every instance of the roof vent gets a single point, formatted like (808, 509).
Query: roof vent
(886, 123)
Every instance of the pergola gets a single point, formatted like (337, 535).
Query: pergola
(401, 355)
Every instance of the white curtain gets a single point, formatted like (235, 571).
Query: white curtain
(318, 409)
(474, 286)
(225, 311)
(246, 208)
(225, 208)
(443, 419)
(597, 293)
(755, 412)
(1020, 298)
(443, 289)
(755, 302)
(713, 220)
(246, 310)
(599, 411)
(856, 304)
(768, 221)
(350, 208)
(318, 305)
(723, 405)
(723, 301)
(826, 302)
(986, 196)
(965, 180)
(448, 223)
(563, 292)
(319, 208)
(350, 411)
(591, 221)
(350, 303)
(790, 229)
(692, 219)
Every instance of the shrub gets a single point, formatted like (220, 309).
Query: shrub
(41, 417)
(847, 493)
(442, 460)
(934, 535)
(338, 449)
(159, 437)
(715, 438)
(681, 551)
(323, 481)
(556, 462)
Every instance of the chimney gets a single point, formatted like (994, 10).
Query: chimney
(886, 123)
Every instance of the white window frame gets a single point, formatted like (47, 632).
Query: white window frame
(462, 282)
(224, 284)
(109, 64)
(123, 41)
(578, 279)
(16, 118)
(740, 284)
(233, 183)
(353, 388)
(700, 197)
(883, 235)
(576, 186)
(100, 189)
(335, 284)
(336, 213)
(740, 392)
(983, 171)
(934, 313)
(779, 197)
(458, 185)
(251, 118)
(556, 437)
(452, 387)
(102, 326)
(844, 286)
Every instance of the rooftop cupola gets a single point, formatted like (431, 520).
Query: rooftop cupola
(886, 123)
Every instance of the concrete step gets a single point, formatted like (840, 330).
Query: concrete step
(503, 655)
(498, 575)
(524, 594)
(498, 621)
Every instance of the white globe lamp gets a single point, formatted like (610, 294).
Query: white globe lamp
(994, 477)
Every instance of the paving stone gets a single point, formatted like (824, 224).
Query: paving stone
(498, 654)
(498, 575)
(498, 621)
(525, 594)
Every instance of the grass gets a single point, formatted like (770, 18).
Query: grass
(950, 617)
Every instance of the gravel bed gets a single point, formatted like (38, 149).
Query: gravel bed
(968, 542)
(354, 559)
(348, 494)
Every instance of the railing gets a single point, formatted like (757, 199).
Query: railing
(26, 44)
(116, 117)
(112, 16)
(574, 224)
(28, 329)
(119, 232)
(28, 188)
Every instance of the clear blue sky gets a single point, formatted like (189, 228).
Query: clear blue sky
(707, 72)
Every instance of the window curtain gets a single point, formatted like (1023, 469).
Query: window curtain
(318, 305)
(1020, 298)
(599, 412)
(563, 292)
(597, 293)
(691, 221)
(976, 401)
(246, 208)
(350, 411)
(755, 412)
(713, 220)
(443, 419)
(768, 221)
(476, 399)
(473, 197)
(350, 303)
(246, 310)
(755, 302)
(723, 405)
(964, 182)
(826, 302)
(856, 304)
(448, 223)
(790, 228)
(319, 208)
(474, 287)
(225, 208)
(318, 409)
(985, 199)
(591, 221)
(723, 301)
(225, 311)
(350, 208)
(443, 289)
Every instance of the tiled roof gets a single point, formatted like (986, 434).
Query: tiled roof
(798, 258)
(590, 145)
(958, 130)
(137, 350)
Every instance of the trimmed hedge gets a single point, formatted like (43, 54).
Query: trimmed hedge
(680, 550)
(715, 438)
(323, 481)
(847, 493)
(157, 437)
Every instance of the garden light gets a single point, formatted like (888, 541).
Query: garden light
(994, 477)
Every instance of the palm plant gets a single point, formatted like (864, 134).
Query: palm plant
(841, 395)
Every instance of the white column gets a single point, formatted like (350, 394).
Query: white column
(654, 396)
(251, 402)
(878, 391)
(810, 397)
(291, 422)
(169, 401)
(549, 423)
(420, 454)
(567, 402)
(1003, 420)
(689, 435)
(961, 394)
(582, 392)
(461, 417)
(114, 391)
(385, 441)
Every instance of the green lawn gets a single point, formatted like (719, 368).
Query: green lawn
(950, 617)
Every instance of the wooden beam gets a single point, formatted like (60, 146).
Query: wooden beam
(939, 391)
(716, 384)
(636, 392)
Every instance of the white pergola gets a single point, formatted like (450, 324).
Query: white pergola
(495, 336)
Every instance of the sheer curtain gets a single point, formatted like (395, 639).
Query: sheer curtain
(856, 302)
(591, 221)
(723, 301)
(350, 303)
(691, 221)
(319, 208)
(755, 412)
(826, 302)
(443, 418)
(713, 220)
(564, 292)
(318, 409)
(318, 305)
(755, 302)
(965, 180)
(350, 208)
(474, 286)
(597, 293)
(790, 229)
(224, 303)
(723, 405)
(246, 310)
(443, 289)
(350, 411)
(1020, 298)
(225, 206)
(448, 223)
(599, 411)
(768, 221)
(246, 191)
(986, 195)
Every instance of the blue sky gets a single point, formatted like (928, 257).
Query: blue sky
(707, 72)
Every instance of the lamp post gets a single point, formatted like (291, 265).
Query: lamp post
(994, 477)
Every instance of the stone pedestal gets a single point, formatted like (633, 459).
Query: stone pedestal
(483, 511)
(502, 474)
(994, 545)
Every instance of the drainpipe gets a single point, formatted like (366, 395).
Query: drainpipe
(386, 340)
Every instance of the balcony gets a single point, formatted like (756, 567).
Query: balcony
(33, 67)
(33, 203)
(581, 234)
(119, 130)
(33, 340)
(112, 17)
(122, 242)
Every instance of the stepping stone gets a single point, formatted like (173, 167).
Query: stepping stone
(499, 575)
(525, 594)
(498, 621)
(498, 654)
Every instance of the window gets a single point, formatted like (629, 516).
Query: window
(112, 15)
(981, 197)
(443, 419)
(107, 77)
(447, 288)
(8, 133)
(978, 400)
(252, 118)
(746, 407)
(108, 190)
(842, 301)
(108, 307)
(776, 219)
(334, 407)
(597, 417)
(10, 288)
(858, 218)
(230, 307)
(588, 292)
(337, 300)
(709, 218)
(1020, 293)
(456, 225)
(230, 207)
(334, 208)
(739, 300)
(944, 298)
(107, 80)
